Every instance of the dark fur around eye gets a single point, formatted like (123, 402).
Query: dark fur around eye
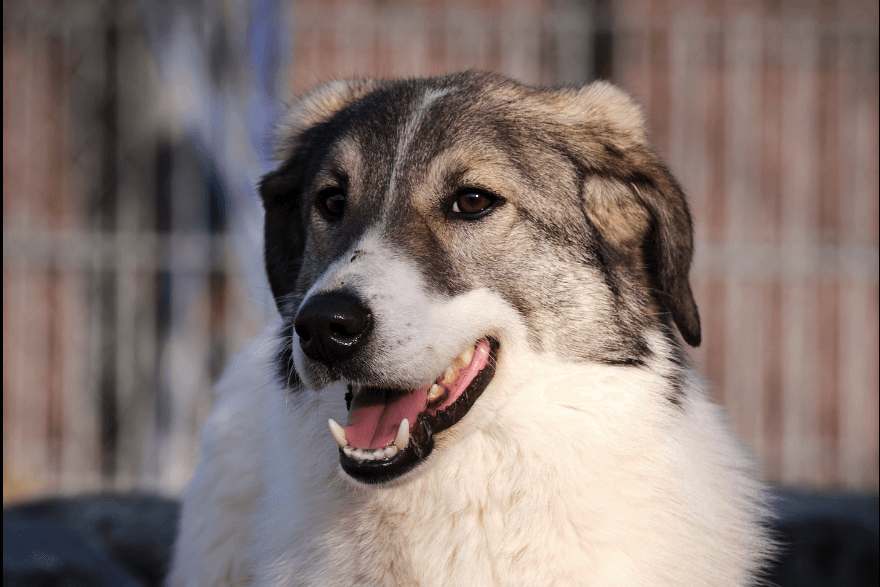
(331, 201)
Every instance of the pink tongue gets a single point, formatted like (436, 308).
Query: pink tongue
(375, 425)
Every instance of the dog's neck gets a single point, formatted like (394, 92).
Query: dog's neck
(478, 506)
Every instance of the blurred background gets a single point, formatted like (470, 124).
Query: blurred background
(134, 133)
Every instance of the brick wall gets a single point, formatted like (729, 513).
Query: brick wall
(123, 295)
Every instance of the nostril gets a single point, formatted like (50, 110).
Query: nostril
(302, 331)
(349, 326)
(339, 330)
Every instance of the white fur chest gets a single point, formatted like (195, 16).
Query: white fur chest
(597, 492)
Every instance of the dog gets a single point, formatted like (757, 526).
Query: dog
(481, 287)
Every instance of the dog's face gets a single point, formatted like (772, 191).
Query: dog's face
(418, 230)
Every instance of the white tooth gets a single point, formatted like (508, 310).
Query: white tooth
(347, 450)
(464, 359)
(338, 433)
(390, 451)
(435, 392)
(402, 434)
(369, 455)
(450, 374)
(358, 454)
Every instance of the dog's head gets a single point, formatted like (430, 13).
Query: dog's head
(415, 230)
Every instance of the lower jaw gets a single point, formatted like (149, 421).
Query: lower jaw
(385, 470)
(421, 442)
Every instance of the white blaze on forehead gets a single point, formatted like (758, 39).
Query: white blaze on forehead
(409, 130)
(430, 96)
(379, 260)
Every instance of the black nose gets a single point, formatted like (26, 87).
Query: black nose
(332, 326)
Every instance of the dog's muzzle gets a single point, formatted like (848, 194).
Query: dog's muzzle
(389, 430)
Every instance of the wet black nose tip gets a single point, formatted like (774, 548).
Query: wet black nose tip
(331, 327)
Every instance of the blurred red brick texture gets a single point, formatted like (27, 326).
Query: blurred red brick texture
(766, 111)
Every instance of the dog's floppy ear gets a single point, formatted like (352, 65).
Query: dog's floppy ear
(298, 134)
(641, 209)
(669, 247)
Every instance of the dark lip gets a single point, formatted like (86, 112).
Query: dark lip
(421, 442)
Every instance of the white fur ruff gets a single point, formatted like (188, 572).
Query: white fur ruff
(570, 476)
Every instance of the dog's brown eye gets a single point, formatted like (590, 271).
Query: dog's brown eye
(472, 202)
(332, 202)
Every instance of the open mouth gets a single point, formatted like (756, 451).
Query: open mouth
(389, 431)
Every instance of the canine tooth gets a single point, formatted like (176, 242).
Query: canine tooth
(435, 392)
(450, 374)
(348, 451)
(402, 438)
(338, 433)
(464, 359)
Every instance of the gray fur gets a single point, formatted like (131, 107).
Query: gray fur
(590, 212)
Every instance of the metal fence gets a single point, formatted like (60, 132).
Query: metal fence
(123, 292)
(124, 289)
